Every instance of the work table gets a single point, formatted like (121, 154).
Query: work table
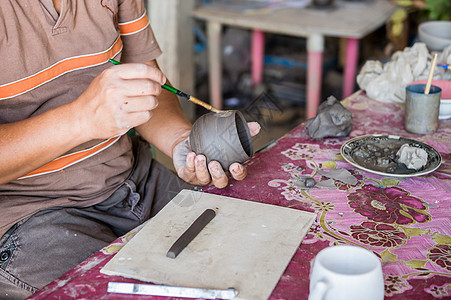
(404, 221)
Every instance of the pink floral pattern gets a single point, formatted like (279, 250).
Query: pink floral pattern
(294, 169)
(395, 285)
(439, 291)
(378, 235)
(441, 255)
(301, 151)
(316, 232)
(391, 205)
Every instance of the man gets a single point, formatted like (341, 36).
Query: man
(70, 179)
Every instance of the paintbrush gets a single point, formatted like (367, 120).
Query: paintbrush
(431, 74)
(446, 67)
(179, 93)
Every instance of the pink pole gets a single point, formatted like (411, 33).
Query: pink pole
(258, 49)
(314, 77)
(352, 56)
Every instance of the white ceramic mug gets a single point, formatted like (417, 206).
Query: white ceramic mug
(346, 272)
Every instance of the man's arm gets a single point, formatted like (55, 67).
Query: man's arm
(119, 98)
(168, 125)
(168, 130)
(31, 143)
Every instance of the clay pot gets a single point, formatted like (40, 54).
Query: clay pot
(222, 136)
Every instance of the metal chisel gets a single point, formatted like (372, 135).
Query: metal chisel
(170, 291)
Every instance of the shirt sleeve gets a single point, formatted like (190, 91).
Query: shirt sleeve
(137, 36)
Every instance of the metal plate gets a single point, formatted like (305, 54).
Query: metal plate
(350, 147)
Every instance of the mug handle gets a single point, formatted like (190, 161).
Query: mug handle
(319, 290)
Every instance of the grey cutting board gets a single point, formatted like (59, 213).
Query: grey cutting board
(247, 245)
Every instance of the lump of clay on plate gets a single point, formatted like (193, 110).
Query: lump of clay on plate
(412, 157)
(377, 157)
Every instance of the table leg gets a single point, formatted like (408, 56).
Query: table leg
(315, 48)
(352, 57)
(258, 50)
(214, 63)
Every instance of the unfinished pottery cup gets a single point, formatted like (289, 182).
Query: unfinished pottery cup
(223, 136)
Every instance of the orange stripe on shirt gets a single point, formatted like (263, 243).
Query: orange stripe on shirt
(65, 161)
(134, 26)
(24, 85)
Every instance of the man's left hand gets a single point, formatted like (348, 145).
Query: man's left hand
(193, 168)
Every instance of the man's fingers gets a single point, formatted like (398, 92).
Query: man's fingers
(137, 104)
(238, 171)
(140, 87)
(188, 170)
(133, 119)
(136, 71)
(190, 163)
(218, 175)
(201, 170)
(254, 128)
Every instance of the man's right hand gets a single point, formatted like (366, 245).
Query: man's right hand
(120, 98)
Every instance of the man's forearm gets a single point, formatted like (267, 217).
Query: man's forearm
(168, 125)
(31, 143)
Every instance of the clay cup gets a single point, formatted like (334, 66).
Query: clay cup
(223, 136)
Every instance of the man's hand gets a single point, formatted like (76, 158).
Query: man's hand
(120, 98)
(193, 168)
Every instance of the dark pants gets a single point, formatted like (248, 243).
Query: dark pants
(43, 247)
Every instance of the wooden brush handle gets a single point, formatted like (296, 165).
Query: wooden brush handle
(431, 74)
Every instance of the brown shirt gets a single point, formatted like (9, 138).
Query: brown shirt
(50, 60)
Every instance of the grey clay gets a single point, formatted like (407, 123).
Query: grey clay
(222, 136)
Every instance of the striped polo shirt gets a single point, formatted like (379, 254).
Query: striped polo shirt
(48, 60)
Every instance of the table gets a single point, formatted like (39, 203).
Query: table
(352, 22)
(404, 221)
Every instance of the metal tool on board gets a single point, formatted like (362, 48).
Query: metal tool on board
(170, 291)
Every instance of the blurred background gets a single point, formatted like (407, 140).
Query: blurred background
(282, 93)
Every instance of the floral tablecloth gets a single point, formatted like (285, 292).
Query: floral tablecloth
(404, 221)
